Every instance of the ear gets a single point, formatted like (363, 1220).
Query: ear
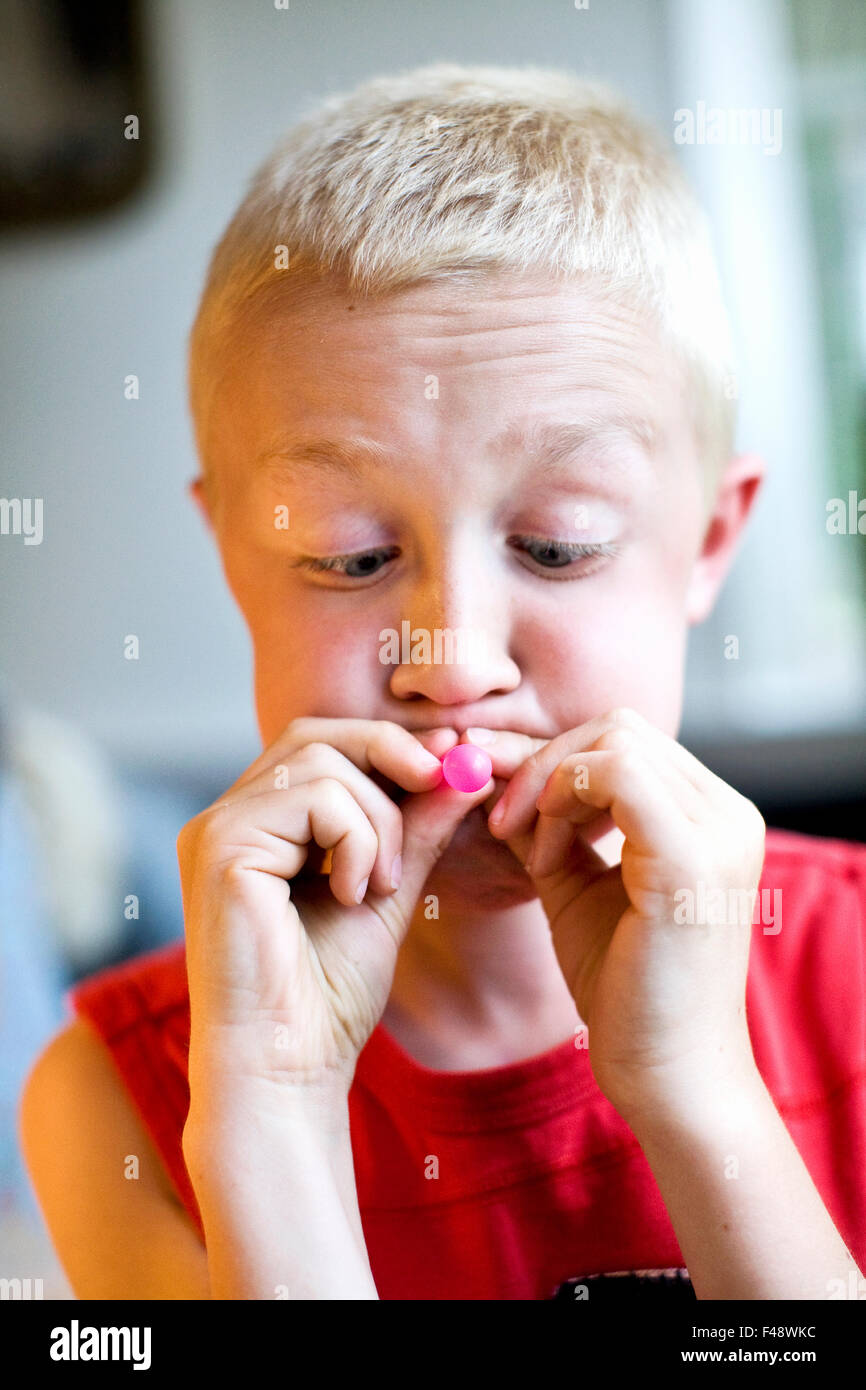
(735, 497)
(197, 490)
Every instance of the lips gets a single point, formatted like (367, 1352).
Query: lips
(460, 727)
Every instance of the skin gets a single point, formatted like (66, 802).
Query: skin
(480, 985)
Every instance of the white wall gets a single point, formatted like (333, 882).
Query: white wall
(792, 597)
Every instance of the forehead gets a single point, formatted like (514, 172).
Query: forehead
(492, 321)
(444, 361)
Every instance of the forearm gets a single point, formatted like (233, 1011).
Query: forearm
(278, 1203)
(747, 1216)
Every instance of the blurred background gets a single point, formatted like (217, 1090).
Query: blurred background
(127, 136)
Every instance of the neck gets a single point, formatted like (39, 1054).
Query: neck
(479, 990)
(478, 985)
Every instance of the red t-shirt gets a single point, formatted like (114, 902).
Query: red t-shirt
(516, 1182)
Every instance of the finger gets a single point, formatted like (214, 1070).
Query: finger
(323, 812)
(507, 749)
(429, 822)
(624, 783)
(338, 823)
(516, 808)
(368, 743)
(558, 795)
(316, 760)
(436, 741)
(559, 848)
(550, 843)
(514, 811)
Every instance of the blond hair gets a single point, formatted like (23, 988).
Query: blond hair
(447, 172)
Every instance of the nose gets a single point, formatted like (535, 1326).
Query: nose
(454, 636)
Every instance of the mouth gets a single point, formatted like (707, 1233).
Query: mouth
(461, 725)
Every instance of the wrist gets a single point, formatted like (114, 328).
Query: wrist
(278, 1202)
(232, 1119)
(694, 1093)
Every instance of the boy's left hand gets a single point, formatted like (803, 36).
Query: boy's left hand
(663, 1000)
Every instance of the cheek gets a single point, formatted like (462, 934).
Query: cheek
(314, 664)
(624, 646)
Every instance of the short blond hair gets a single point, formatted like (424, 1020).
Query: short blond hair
(447, 172)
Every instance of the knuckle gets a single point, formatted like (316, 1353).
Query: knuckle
(624, 717)
(315, 751)
(618, 740)
(298, 730)
(390, 726)
(187, 833)
(536, 760)
(196, 828)
(392, 818)
(233, 875)
(330, 789)
(210, 825)
(360, 841)
(370, 841)
(234, 879)
(753, 818)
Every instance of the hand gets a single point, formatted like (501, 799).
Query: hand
(663, 1000)
(288, 972)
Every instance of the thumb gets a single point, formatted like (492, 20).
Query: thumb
(429, 822)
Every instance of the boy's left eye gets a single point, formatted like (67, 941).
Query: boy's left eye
(551, 554)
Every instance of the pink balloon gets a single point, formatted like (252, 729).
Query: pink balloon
(466, 768)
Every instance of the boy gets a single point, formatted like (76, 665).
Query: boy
(459, 368)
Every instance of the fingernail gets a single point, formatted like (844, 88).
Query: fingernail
(362, 888)
(496, 814)
(397, 871)
(481, 735)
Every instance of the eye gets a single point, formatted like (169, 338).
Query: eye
(358, 566)
(551, 554)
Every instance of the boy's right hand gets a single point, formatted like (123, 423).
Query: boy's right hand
(288, 973)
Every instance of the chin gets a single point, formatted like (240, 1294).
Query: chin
(475, 867)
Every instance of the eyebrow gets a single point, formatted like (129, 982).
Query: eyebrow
(549, 443)
(352, 455)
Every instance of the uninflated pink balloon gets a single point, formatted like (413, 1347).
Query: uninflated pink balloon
(467, 768)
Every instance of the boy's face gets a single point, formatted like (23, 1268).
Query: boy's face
(459, 528)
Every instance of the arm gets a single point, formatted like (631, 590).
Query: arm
(289, 974)
(116, 1236)
(660, 979)
(747, 1216)
(276, 1191)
